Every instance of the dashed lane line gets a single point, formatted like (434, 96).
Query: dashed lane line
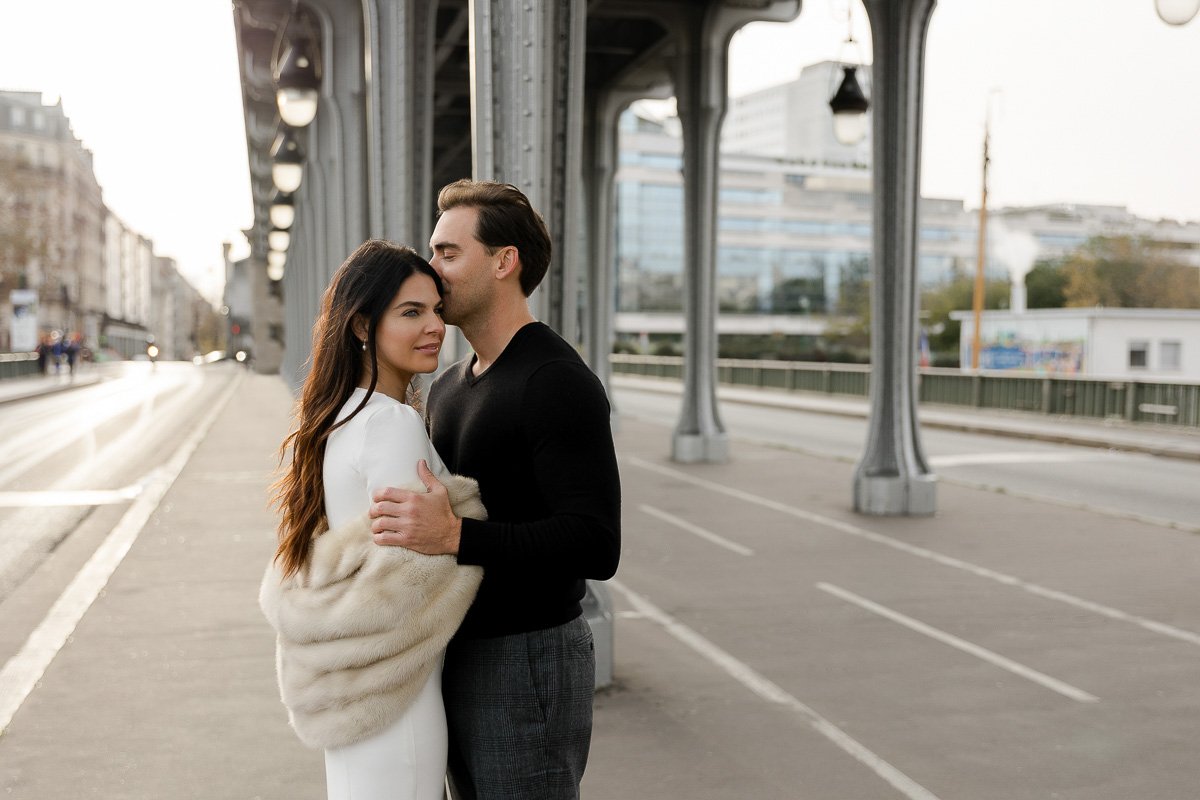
(921, 552)
(773, 693)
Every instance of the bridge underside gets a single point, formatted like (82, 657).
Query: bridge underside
(415, 94)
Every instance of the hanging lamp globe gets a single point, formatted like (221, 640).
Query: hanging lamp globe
(1177, 12)
(287, 168)
(297, 85)
(849, 106)
(282, 210)
(279, 240)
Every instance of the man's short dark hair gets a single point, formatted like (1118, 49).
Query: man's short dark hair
(506, 218)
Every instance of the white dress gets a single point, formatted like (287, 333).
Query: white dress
(380, 447)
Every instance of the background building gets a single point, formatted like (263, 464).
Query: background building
(92, 274)
(794, 222)
(1105, 342)
(51, 218)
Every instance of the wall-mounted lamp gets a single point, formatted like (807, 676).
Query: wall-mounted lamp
(287, 168)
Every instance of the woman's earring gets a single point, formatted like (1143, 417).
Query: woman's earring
(364, 346)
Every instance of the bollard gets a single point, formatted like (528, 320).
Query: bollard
(597, 610)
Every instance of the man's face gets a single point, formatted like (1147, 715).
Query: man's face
(464, 264)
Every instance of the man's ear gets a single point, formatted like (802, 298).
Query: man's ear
(509, 261)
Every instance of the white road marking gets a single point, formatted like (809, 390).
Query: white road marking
(697, 530)
(1016, 668)
(921, 552)
(773, 693)
(975, 459)
(23, 671)
(82, 497)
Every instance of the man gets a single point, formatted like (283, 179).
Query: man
(526, 418)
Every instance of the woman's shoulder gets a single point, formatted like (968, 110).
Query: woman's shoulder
(387, 413)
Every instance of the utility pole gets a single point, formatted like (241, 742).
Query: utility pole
(977, 305)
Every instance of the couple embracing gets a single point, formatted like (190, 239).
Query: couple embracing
(427, 584)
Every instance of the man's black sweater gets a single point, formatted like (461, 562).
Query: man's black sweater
(534, 430)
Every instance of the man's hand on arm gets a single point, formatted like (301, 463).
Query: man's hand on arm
(420, 521)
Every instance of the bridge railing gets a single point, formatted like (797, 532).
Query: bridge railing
(17, 365)
(1147, 399)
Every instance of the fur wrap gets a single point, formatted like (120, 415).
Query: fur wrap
(361, 627)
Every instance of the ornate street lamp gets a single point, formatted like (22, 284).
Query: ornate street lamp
(287, 169)
(282, 211)
(849, 106)
(849, 103)
(279, 240)
(297, 85)
(275, 263)
(1177, 12)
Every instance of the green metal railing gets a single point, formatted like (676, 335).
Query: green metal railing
(18, 365)
(1136, 400)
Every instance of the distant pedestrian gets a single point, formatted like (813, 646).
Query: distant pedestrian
(72, 351)
(363, 629)
(43, 354)
(57, 350)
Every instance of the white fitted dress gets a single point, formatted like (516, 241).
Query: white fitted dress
(380, 447)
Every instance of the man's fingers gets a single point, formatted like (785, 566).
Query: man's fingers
(391, 494)
(427, 477)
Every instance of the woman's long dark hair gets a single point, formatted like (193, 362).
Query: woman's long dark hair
(363, 287)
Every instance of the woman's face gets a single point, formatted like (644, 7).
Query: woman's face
(410, 333)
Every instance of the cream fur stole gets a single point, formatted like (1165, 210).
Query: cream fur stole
(362, 626)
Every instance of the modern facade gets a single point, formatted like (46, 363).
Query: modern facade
(794, 216)
(790, 232)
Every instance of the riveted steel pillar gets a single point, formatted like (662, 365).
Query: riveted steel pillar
(893, 478)
(401, 57)
(700, 74)
(701, 70)
(527, 120)
(600, 156)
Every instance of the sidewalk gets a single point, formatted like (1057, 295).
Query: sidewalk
(166, 688)
(1159, 440)
(13, 389)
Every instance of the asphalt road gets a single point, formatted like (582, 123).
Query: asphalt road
(65, 455)
(1134, 485)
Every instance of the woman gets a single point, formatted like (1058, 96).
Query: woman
(362, 628)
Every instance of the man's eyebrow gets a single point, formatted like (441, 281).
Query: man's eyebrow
(443, 246)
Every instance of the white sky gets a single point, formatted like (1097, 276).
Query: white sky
(1097, 103)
